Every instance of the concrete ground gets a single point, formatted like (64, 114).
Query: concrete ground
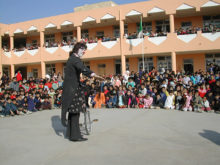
(119, 137)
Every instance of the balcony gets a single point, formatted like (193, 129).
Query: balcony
(190, 43)
(199, 42)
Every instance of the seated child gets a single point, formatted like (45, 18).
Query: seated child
(111, 103)
(169, 103)
(10, 108)
(140, 100)
(187, 102)
(157, 102)
(197, 102)
(205, 105)
(46, 104)
(216, 104)
(148, 101)
(20, 105)
(121, 100)
(91, 101)
(179, 101)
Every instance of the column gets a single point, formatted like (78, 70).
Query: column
(78, 33)
(155, 61)
(11, 43)
(41, 38)
(12, 70)
(173, 56)
(123, 59)
(43, 69)
(172, 26)
(0, 54)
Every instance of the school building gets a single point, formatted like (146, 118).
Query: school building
(41, 46)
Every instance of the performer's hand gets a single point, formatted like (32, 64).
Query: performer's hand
(63, 119)
(99, 78)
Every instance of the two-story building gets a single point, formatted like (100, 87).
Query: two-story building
(178, 35)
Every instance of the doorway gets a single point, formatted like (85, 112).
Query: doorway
(117, 67)
(23, 70)
(188, 66)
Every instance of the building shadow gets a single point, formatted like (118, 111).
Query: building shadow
(58, 128)
(213, 136)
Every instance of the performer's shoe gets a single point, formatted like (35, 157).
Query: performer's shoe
(80, 139)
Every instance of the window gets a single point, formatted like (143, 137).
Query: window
(162, 26)
(85, 33)
(100, 34)
(50, 69)
(148, 64)
(147, 26)
(164, 62)
(116, 31)
(6, 71)
(214, 20)
(50, 38)
(67, 36)
(186, 25)
(127, 64)
(35, 73)
(212, 58)
(126, 29)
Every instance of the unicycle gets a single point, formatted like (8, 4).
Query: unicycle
(87, 122)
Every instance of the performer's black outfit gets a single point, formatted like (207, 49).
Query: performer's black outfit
(73, 98)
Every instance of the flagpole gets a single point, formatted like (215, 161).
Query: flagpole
(142, 47)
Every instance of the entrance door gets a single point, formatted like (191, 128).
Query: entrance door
(188, 66)
(118, 68)
(23, 71)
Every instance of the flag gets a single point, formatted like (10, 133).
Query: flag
(140, 31)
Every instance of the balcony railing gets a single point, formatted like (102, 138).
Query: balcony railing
(163, 44)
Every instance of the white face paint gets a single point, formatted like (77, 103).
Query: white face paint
(81, 52)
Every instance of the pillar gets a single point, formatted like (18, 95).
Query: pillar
(78, 33)
(123, 59)
(41, 38)
(0, 54)
(173, 57)
(43, 69)
(172, 27)
(11, 43)
(12, 70)
(155, 61)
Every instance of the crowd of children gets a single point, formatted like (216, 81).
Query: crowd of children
(194, 92)
(197, 92)
(19, 97)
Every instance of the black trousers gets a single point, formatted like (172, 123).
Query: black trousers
(73, 130)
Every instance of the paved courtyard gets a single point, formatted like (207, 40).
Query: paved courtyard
(119, 137)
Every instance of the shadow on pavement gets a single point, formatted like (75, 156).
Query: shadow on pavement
(213, 136)
(59, 129)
